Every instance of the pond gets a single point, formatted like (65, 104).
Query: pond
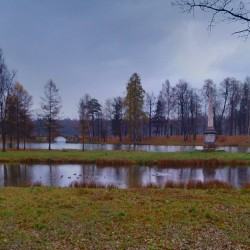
(61, 144)
(122, 177)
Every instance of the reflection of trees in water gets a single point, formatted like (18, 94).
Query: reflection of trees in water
(5, 174)
(244, 175)
(133, 176)
(209, 173)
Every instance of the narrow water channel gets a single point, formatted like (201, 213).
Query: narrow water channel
(147, 148)
(122, 177)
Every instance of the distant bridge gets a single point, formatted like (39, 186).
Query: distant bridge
(66, 138)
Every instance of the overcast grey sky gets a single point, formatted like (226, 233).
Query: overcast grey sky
(94, 46)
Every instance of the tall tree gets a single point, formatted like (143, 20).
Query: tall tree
(221, 11)
(51, 105)
(181, 91)
(194, 109)
(150, 103)
(6, 83)
(243, 117)
(19, 105)
(234, 98)
(223, 95)
(117, 117)
(83, 117)
(133, 103)
(168, 99)
(159, 118)
(106, 122)
(94, 110)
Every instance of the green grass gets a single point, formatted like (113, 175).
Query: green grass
(81, 218)
(125, 157)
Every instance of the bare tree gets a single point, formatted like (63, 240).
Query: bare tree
(150, 103)
(181, 92)
(51, 105)
(221, 11)
(167, 96)
(234, 100)
(223, 95)
(6, 83)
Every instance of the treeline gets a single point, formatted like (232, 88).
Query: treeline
(178, 109)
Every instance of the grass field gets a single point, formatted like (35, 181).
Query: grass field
(82, 218)
(194, 158)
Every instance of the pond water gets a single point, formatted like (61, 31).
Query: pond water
(122, 177)
(150, 148)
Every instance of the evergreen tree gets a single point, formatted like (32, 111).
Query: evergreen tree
(158, 119)
(133, 103)
(117, 117)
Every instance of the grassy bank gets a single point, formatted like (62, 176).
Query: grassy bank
(195, 158)
(77, 218)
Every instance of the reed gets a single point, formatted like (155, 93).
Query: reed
(25, 184)
(114, 162)
(213, 184)
(246, 185)
(151, 185)
(171, 184)
(212, 162)
(194, 184)
(37, 184)
(92, 184)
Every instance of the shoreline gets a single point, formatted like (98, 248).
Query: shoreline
(126, 158)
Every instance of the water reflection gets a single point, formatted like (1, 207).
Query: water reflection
(122, 177)
(150, 148)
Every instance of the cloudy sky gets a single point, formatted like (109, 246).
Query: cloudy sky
(94, 46)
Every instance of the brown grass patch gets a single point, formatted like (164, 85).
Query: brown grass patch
(151, 185)
(246, 185)
(214, 184)
(92, 184)
(37, 184)
(212, 162)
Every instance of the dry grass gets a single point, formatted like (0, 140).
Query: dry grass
(246, 186)
(114, 162)
(96, 219)
(239, 140)
(214, 184)
(212, 162)
(92, 184)
(195, 184)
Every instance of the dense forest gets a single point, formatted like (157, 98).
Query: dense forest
(178, 109)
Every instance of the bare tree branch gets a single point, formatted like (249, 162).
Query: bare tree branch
(221, 10)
